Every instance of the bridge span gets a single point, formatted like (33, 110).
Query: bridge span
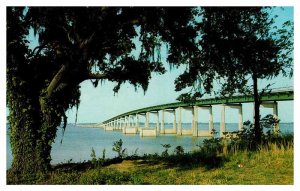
(129, 122)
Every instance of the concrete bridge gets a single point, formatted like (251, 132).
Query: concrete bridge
(129, 122)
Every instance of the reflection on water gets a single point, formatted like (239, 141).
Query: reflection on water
(77, 142)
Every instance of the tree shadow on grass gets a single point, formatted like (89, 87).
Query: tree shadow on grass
(184, 161)
(83, 166)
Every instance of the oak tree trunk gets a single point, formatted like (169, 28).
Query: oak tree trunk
(32, 131)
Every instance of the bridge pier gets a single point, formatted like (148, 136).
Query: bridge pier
(157, 120)
(147, 131)
(201, 133)
(120, 124)
(174, 122)
(147, 120)
(116, 125)
(274, 106)
(108, 127)
(195, 121)
(128, 121)
(223, 122)
(162, 125)
(139, 127)
(137, 122)
(211, 122)
(130, 128)
(173, 130)
(179, 130)
(124, 124)
(131, 121)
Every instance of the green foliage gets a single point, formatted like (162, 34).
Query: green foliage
(165, 152)
(134, 155)
(245, 139)
(117, 147)
(179, 150)
(211, 147)
(103, 154)
(214, 132)
(209, 154)
(94, 158)
(98, 162)
(151, 157)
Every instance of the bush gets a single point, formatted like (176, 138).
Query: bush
(245, 139)
(96, 162)
(117, 147)
(165, 152)
(179, 150)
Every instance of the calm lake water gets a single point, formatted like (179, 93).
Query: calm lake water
(78, 142)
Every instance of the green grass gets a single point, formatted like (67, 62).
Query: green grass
(270, 164)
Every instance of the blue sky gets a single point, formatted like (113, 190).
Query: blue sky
(99, 104)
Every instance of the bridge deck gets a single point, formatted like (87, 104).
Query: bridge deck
(273, 96)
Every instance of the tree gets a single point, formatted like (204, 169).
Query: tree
(77, 44)
(237, 45)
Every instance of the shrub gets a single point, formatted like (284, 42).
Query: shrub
(117, 147)
(96, 162)
(165, 152)
(179, 150)
(94, 157)
(245, 138)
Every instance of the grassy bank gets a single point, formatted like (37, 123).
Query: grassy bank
(270, 164)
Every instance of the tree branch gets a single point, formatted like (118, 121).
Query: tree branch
(38, 49)
(97, 76)
(85, 42)
(56, 80)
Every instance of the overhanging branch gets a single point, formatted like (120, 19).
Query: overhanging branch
(97, 76)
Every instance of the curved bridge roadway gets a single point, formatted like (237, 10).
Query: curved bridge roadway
(129, 122)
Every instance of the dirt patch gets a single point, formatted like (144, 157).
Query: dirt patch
(132, 165)
(125, 166)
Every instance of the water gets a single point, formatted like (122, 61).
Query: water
(78, 142)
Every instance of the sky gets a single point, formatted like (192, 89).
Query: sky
(99, 104)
